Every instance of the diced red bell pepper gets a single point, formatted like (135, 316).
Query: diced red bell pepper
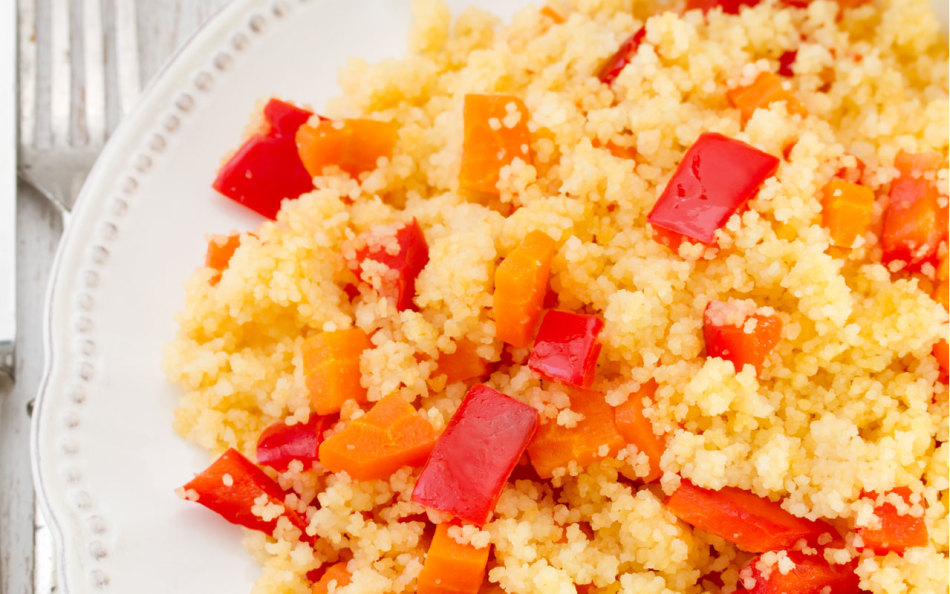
(230, 486)
(267, 168)
(280, 443)
(752, 523)
(728, 6)
(565, 349)
(716, 177)
(473, 458)
(897, 532)
(812, 574)
(389, 260)
(785, 63)
(617, 62)
(915, 219)
(744, 338)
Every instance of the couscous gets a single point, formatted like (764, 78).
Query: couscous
(617, 297)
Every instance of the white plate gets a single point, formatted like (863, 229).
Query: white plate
(105, 458)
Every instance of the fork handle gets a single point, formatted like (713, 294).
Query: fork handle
(8, 241)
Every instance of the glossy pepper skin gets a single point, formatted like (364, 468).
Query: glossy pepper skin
(267, 168)
(565, 349)
(280, 443)
(754, 524)
(812, 574)
(897, 532)
(234, 502)
(473, 458)
(915, 219)
(617, 62)
(716, 177)
(407, 262)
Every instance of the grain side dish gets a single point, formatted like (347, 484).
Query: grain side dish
(616, 297)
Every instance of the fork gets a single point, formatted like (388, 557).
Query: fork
(70, 100)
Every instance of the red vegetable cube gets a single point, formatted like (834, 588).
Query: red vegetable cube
(389, 259)
(728, 6)
(230, 487)
(785, 63)
(899, 529)
(473, 458)
(811, 574)
(716, 177)
(267, 168)
(566, 348)
(915, 219)
(617, 62)
(739, 332)
(280, 443)
(752, 523)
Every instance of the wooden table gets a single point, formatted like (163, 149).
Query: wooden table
(26, 565)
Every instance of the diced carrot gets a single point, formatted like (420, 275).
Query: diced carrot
(740, 337)
(450, 567)
(552, 14)
(622, 152)
(942, 353)
(592, 438)
(391, 435)
(915, 219)
(521, 282)
(766, 89)
(898, 531)
(462, 365)
(846, 211)
(636, 429)
(752, 523)
(331, 368)
(337, 574)
(353, 145)
(220, 250)
(943, 269)
(496, 132)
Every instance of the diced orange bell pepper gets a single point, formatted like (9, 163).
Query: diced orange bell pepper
(752, 523)
(915, 219)
(846, 211)
(450, 567)
(220, 250)
(337, 574)
(391, 435)
(353, 145)
(521, 281)
(811, 574)
(462, 365)
(638, 430)
(742, 338)
(592, 438)
(897, 532)
(331, 368)
(766, 89)
(496, 132)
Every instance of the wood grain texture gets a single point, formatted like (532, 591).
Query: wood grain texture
(25, 556)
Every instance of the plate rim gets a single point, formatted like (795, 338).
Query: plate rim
(187, 73)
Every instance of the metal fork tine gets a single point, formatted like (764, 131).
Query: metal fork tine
(61, 73)
(127, 53)
(28, 73)
(94, 85)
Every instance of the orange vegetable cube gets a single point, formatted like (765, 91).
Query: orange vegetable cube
(915, 219)
(521, 281)
(898, 530)
(739, 332)
(391, 435)
(638, 430)
(331, 367)
(462, 365)
(766, 89)
(846, 211)
(594, 437)
(353, 145)
(336, 573)
(220, 250)
(450, 567)
(552, 13)
(496, 132)
(942, 296)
